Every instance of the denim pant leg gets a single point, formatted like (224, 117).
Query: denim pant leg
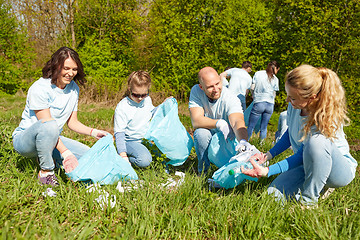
(77, 148)
(138, 154)
(255, 114)
(287, 184)
(266, 115)
(39, 140)
(323, 165)
(202, 137)
(243, 101)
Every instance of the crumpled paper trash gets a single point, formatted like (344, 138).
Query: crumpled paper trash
(49, 192)
(129, 186)
(104, 198)
(172, 183)
(135, 184)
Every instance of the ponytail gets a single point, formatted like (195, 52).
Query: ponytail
(270, 69)
(328, 110)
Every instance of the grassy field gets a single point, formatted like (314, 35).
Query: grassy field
(191, 211)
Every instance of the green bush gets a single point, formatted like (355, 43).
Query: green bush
(15, 54)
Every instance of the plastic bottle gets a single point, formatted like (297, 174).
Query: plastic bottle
(234, 171)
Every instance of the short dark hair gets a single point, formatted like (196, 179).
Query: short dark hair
(53, 67)
(246, 65)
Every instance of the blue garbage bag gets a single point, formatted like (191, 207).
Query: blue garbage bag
(102, 164)
(221, 151)
(247, 116)
(168, 133)
(227, 180)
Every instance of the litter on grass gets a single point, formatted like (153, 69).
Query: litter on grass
(105, 200)
(49, 192)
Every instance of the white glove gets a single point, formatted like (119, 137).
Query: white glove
(70, 162)
(98, 133)
(243, 146)
(223, 127)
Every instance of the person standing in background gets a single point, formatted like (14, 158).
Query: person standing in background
(264, 87)
(240, 81)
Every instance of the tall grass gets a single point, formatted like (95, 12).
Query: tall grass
(191, 211)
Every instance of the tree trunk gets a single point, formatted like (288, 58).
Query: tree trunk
(71, 18)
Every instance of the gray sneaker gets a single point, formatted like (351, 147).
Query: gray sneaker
(49, 180)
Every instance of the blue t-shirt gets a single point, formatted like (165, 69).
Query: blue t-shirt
(264, 90)
(240, 80)
(42, 95)
(133, 118)
(227, 104)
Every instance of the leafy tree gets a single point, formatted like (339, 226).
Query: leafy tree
(105, 33)
(115, 20)
(103, 71)
(241, 31)
(15, 53)
(320, 33)
(46, 24)
(189, 35)
(175, 42)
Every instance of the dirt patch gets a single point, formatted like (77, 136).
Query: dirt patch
(355, 146)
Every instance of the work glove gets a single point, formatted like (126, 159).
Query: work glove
(223, 127)
(98, 133)
(70, 162)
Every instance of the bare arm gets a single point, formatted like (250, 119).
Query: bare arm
(238, 125)
(223, 75)
(75, 125)
(198, 119)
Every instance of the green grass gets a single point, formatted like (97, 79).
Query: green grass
(188, 212)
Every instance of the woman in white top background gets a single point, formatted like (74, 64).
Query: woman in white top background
(264, 85)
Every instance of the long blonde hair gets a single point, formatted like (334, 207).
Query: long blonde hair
(328, 110)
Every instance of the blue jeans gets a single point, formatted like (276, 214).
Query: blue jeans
(323, 166)
(243, 101)
(40, 140)
(138, 154)
(202, 137)
(260, 109)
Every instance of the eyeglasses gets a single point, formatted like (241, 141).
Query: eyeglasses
(139, 95)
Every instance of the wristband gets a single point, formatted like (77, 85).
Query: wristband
(94, 132)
